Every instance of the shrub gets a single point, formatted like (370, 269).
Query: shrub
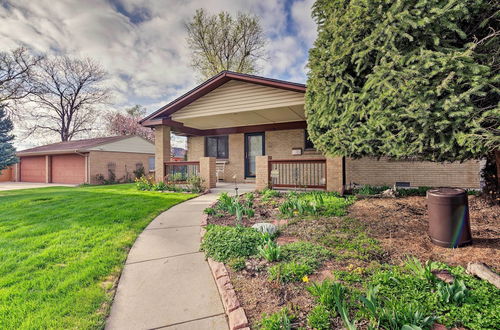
(305, 253)
(267, 194)
(319, 318)
(236, 205)
(139, 172)
(144, 183)
(419, 270)
(454, 293)
(160, 186)
(222, 243)
(419, 191)
(315, 203)
(328, 293)
(416, 299)
(281, 320)
(289, 272)
(270, 251)
(210, 211)
(237, 264)
(195, 184)
(367, 190)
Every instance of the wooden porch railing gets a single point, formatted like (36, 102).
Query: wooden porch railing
(179, 172)
(299, 173)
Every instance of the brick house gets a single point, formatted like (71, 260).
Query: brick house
(248, 128)
(82, 161)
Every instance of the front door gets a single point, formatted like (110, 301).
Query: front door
(254, 146)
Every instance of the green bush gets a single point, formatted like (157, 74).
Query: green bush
(270, 251)
(306, 253)
(415, 298)
(195, 184)
(237, 264)
(419, 191)
(315, 203)
(222, 243)
(367, 190)
(144, 183)
(236, 205)
(160, 186)
(267, 194)
(319, 318)
(281, 320)
(328, 293)
(454, 293)
(289, 272)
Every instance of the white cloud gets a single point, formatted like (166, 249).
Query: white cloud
(141, 43)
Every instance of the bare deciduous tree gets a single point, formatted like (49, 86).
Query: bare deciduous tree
(66, 92)
(16, 68)
(220, 42)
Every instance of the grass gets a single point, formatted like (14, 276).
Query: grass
(61, 249)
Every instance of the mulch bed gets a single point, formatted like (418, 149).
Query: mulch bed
(400, 224)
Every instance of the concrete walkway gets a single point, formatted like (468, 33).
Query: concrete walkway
(166, 282)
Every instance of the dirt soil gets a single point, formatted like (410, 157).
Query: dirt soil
(400, 224)
(258, 295)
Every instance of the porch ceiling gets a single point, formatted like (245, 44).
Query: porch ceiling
(242, 117)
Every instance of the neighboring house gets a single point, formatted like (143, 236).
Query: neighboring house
(235, 117)
(82, 161)
(178, 154)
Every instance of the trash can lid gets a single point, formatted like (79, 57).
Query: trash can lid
(446, 192)
(447, 196)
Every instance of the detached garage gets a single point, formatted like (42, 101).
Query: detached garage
(85, 161)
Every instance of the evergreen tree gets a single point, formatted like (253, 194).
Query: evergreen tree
(7, 150)
(405, 79)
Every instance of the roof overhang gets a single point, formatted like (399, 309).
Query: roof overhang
(165, 112)
(43, 153)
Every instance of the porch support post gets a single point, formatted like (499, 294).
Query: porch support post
(335, 174)
(262, 172)
(48, 169)
(208, 172)
(162, 150)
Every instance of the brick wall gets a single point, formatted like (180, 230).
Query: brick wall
(279, 145)
(125, 162)
(387, 172)
(6, 174)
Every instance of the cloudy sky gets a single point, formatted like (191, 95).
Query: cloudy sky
(141, 43)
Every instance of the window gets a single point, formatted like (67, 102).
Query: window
(216, 146)
(151, 164)
(308, 145)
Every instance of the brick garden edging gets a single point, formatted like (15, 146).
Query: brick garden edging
(232, 307)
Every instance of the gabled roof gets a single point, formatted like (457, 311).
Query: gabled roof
(72, 146)
(213, 83)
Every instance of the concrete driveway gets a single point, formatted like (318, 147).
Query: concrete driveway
(30, 185)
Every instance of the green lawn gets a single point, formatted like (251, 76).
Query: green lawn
(61, 248)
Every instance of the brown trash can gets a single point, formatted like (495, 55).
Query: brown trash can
(449, 224)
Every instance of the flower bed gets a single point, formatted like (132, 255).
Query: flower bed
(325, 269)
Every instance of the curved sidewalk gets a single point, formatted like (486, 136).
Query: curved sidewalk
(166, 282)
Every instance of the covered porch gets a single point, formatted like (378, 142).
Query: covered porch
(243, 129)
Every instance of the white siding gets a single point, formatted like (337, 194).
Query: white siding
(133, 144)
